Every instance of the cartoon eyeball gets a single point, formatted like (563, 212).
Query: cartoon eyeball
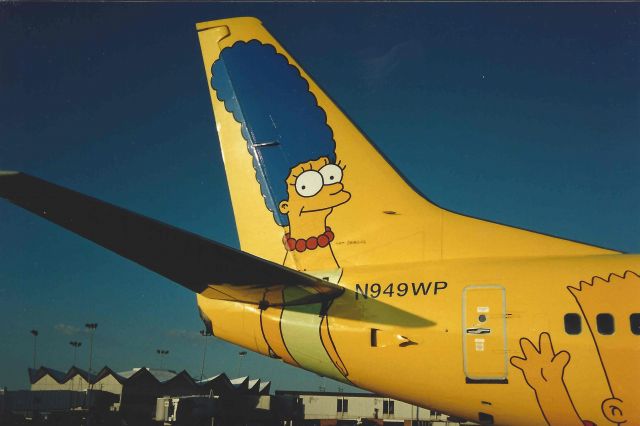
(331, 174)
(309, 183)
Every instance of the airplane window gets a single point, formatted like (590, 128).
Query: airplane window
(572, 324)
(635, 323)
(482, 318)
(605, 323)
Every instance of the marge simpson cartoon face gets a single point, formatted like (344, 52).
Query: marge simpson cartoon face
(292, 147)
(314, 189)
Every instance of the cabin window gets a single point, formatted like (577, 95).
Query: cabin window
(605, 323)
(572, 323)
(343, 405)
(634, 319)
(391, 407)
(339, 409)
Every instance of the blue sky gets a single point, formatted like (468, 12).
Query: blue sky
(525, 114)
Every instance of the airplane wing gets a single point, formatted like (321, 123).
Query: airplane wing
(201, 265)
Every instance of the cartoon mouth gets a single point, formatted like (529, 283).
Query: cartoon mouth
(328, 207)
(315, 210)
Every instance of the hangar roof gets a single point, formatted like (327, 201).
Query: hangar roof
(217, 383)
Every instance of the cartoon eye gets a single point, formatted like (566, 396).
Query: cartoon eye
(331, 174)
(309, 183)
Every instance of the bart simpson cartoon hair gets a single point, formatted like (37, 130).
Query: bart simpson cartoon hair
(618, 296)
(281, 120)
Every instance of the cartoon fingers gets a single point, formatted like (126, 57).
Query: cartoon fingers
(542, 366)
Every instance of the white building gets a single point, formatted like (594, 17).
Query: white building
(45, 378)
(331, 408)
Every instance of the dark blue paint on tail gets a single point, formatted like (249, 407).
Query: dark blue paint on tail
(281, 120)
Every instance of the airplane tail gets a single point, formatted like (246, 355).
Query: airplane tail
(308, 189)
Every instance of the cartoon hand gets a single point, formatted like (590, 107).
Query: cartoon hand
(542, 367)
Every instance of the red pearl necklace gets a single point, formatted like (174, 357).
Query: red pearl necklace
(310, 243)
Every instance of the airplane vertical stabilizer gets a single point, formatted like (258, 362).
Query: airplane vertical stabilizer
(308, 189)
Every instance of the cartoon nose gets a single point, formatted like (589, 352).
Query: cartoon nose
(335, 188)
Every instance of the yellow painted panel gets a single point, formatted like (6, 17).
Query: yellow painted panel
(235, 322)
(485, 355)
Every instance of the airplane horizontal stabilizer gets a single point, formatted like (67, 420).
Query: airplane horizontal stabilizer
(201, 265)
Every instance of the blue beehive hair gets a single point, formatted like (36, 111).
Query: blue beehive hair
(281, 120)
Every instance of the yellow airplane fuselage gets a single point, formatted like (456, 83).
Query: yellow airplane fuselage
(430, 364)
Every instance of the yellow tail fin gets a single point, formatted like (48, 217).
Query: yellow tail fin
(308, 189)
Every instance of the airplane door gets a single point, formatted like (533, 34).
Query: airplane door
(484, 333)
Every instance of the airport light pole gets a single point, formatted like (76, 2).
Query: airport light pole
(241, 355)
(75, 345)
(162, 353)
(91, 326)
(204, 335)
(34, 333)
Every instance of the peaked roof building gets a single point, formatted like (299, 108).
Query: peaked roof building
(161, 381)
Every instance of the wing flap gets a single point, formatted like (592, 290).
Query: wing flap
(201, 265)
